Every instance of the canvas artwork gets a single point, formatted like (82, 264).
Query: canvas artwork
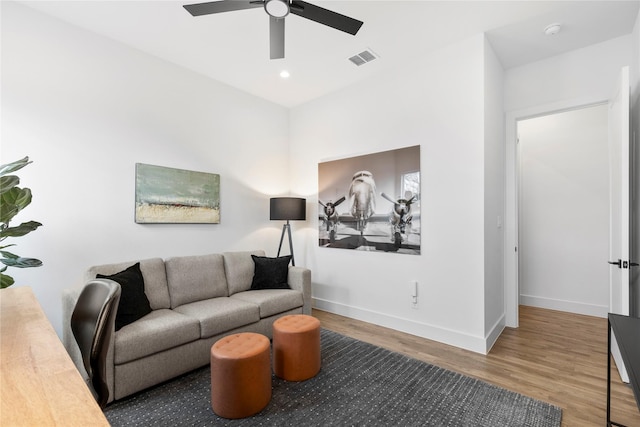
(168, 195)
(371, 202)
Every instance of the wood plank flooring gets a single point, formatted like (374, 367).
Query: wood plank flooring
(557, 357)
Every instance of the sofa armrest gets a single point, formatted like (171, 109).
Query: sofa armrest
(69, 299)
(300, 279)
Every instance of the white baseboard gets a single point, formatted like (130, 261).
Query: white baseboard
(562, 305)
(495, 332)
(431, 332)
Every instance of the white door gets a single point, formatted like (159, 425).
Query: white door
(619, 161)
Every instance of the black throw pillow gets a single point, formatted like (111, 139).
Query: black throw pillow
(134, 303)
(270, 273)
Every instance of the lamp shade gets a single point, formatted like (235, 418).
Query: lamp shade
(288, 208)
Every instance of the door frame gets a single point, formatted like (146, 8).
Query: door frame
(511, 285)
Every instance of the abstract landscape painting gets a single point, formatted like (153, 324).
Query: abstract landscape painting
(168, 195)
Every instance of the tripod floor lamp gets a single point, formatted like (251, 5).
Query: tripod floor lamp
(288, 209)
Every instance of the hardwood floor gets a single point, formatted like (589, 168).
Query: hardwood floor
(557, 357)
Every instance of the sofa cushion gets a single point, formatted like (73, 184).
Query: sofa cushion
(195, 278)
(157, 331)
(270, 273)
(272, 301)
(153, 272)
(133, 304)
(218, 315)
(239, 268)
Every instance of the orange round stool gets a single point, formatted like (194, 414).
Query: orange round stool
(296, 347)
(240, 375)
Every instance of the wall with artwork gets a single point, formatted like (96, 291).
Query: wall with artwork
(437, 104)
(86, 109)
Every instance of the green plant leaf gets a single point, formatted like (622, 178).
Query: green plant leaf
(12, 200)
(7, 212)
(14, 166)
(6, 281)
(21, 262)
(8, 182)
(21, 230)
(8, 255)
(20, 197)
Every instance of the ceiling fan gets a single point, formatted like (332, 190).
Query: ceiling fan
(277, 11)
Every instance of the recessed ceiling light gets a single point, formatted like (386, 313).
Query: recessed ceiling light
(284, 74)
(552, 29)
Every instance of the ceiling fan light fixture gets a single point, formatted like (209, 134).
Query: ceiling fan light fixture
(277, 8)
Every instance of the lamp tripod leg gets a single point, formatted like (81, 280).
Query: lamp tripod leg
(287, 228)
(284, 227)
(293, 260)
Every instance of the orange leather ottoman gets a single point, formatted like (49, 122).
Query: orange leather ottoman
(296, 347)
(240, 375)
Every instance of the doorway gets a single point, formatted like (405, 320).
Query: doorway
(563, 211)
(511, 243)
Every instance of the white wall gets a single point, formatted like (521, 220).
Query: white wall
(564, 211)
(493, 196)
(86, 109)
(575, 79)
(438, 103)
(578, 77)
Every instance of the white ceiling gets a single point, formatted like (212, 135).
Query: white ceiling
(233, 47)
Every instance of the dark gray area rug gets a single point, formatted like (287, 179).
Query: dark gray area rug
(359, 385)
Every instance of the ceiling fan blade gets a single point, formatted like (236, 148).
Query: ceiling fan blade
(325, 16)
(198, 9)
(276, 37)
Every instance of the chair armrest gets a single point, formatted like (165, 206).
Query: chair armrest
(300, 279)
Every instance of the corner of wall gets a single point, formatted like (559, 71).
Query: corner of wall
(494, 190)
(494, 333)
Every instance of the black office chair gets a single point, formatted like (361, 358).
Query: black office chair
(91, 323)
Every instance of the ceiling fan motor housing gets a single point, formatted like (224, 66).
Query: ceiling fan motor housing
(277, 8)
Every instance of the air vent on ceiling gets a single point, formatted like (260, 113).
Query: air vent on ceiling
(363, 57)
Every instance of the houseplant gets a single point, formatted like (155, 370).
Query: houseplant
(12, 200)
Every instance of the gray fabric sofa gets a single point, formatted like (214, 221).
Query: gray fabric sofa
(195, 300)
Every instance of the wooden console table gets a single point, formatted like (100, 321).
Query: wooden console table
(39, 384)
(627, 332)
